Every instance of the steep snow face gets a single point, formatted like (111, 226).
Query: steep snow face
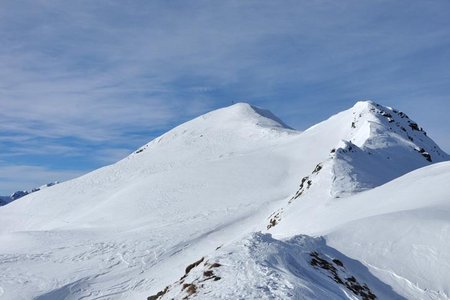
(129, 229)
(400, 230)
(383, 144)
(378, 145)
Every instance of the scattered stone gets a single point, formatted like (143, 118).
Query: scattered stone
(159, 294)
(351, 283)
(385, 114)
(215, 265)
(414, 126)
(338, 262)
(317, 168)
(424, 154)
(190, 288)
(274, 219)
(193, 265)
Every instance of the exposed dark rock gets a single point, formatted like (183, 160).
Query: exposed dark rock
(190, 288)
(301, 188)
(159, 294)
(403, 115)
(351, 283)
(338, 262)
(385, 114)
(210, 275)
(193, 265)
(414, 126)
(19, 194)
(215, 265)
(275, 218)
(317, 168)
(424, 154)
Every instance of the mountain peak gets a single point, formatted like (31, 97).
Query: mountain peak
(372, 145)
(222, 131)
(183, 209)
(364, 104)
(245, 112)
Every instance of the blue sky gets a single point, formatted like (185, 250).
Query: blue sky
(84, 83)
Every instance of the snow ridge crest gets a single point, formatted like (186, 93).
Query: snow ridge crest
(377, 144)
(384, 143)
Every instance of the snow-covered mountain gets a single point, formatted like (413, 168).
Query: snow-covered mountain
(19, 194)
(236, 204)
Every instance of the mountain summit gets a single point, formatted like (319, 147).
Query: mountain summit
(223, 128)
(236, 204)
(377, 144)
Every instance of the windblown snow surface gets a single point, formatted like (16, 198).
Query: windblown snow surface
(236, 205)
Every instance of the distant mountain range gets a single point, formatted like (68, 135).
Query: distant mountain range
(235, 204)
(19, 194)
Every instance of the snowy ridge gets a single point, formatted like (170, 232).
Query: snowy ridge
(397, 230)
(261, 267)
(380, 144)
(214, 187)
(401, 239)
(383, 144)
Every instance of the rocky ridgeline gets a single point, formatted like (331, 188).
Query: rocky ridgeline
(188, 286)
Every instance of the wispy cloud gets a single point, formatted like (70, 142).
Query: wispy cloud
(92, 76)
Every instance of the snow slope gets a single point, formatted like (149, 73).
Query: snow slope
(392, 239)
(19, 194)
(128, 230)
(400, 230)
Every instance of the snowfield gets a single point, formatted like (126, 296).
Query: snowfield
(235, 204)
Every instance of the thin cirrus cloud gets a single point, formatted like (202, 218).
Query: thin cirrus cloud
(83, 82)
